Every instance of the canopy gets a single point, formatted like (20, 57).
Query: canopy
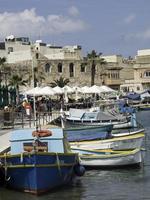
(133, 96)
(47, 91)
(58, 90)
(85, 90)
(33, 91)
(105, 88)
(95, 89)
(68, 89)
(38, 91)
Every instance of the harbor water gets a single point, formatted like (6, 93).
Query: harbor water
(114, 184)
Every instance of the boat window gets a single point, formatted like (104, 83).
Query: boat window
(37, 146)
(89, 116)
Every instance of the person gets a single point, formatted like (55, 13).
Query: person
(49, 105)
(28, 109)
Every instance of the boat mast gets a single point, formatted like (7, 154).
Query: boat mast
(32, 82)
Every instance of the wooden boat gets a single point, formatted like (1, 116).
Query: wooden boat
(39, 162)
(131, 141)
(79, 117)
(109, 158)
(88, 132)
(126, 133)
(144, 107)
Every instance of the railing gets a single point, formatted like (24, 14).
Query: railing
(14, 120)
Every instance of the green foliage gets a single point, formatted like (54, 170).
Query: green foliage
(17, 81)
(61, 82)
(92, 59)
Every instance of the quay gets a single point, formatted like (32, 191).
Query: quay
(4, 140)
(16, 121)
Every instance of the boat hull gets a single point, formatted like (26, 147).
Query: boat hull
(39, 172)
(119, 143)
(121, 159)
(116, 125)
(86, 132)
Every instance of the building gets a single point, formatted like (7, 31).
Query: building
(141, 67)
(54, 62)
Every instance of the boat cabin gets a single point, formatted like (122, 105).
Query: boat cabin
(24, 141)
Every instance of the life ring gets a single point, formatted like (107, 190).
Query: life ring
(42, 133)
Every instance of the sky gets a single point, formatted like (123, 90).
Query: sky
(110, 27)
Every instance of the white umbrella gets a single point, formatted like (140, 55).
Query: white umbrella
(58, 90)
(95, 89)
(85, 90)
(33, 91)
(68, 89)
(47, 91)
(106, 88)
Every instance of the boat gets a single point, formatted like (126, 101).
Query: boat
(124, 142)
(120, 133)
(88, 132)
(109, 158)
(143, 107)
(39, 161)
(79, 117)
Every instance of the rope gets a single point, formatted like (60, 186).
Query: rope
(58, 164)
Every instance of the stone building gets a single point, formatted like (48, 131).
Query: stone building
(54, 62)
(141, 78)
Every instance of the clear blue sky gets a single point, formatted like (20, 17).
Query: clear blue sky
(108, 26)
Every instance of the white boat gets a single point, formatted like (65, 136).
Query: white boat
(78, 117)
(109, 158)
(117, 143)
(129, 132)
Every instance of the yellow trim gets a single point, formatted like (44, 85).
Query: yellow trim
(39, 165)
(116, 154)
(38, 153)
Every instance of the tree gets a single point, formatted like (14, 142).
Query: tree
(61, 82)
(3, 70)
(17, 81)
(37, 78)
(92, 59)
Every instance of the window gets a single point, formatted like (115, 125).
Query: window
(82, 68)
(37, 56)
(138, 88)
(10, 49)
(47, 67)
(147, 74)
(114, 75)
(71, 69)
(59, 67)
(38, 146)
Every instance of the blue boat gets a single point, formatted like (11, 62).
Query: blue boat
(79, 133)
(39, 161)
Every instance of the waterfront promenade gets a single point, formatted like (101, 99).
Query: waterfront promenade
(21, 121)
(4, 140)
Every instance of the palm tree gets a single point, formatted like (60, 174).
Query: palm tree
(93, 59)
(2, 68)
(61, 82)
(17, 81)
(38, 77)
(2, 61)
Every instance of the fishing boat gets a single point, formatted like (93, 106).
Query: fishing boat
(109, 158)
(88, 132)
(79, 117)
(124, 142)
(120, 133)
(143, 107)
(39, 161)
